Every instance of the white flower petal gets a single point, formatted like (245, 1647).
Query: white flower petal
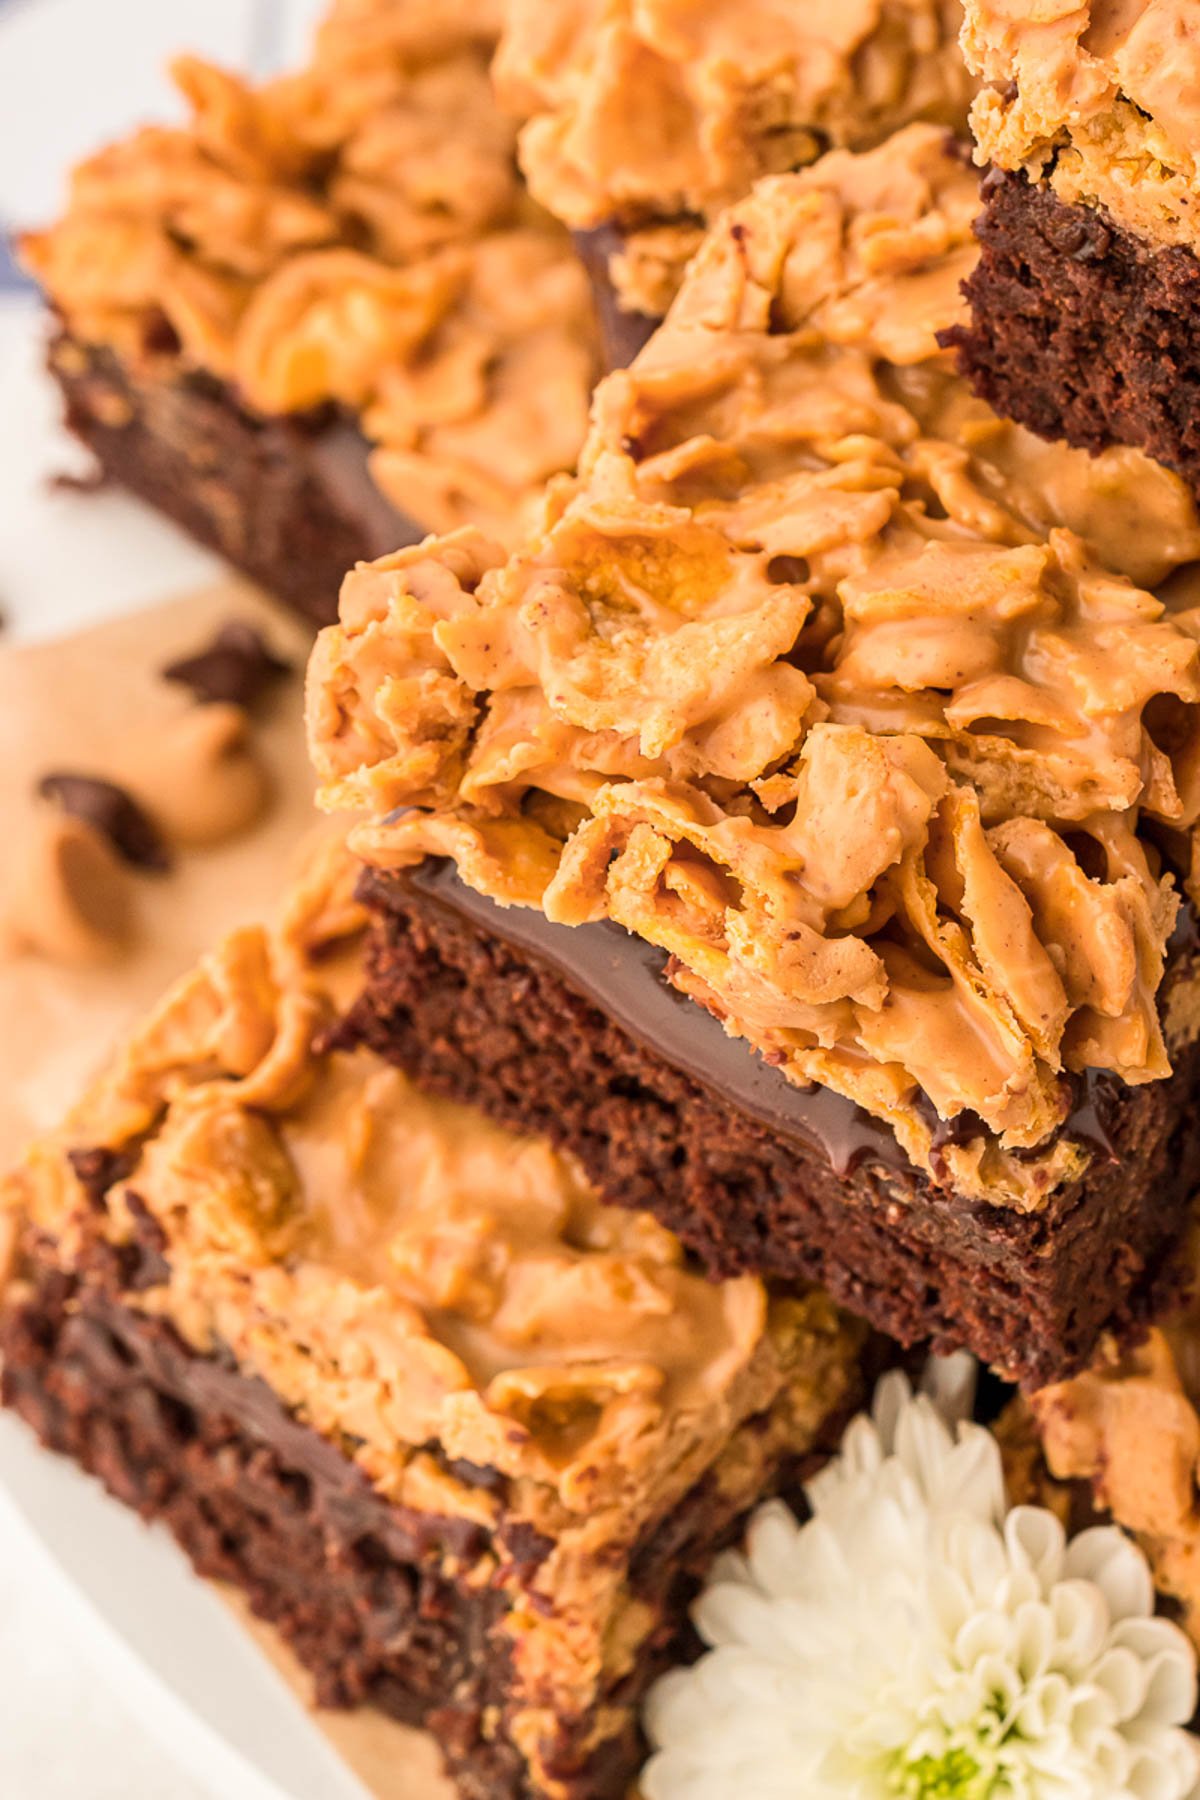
(1081, 1623)
(1108, 1559)
(1034, 1638)
(1124, 1676)
(1036, 1541)
(950, 1383)
(1171, 1663)
(913, 1635)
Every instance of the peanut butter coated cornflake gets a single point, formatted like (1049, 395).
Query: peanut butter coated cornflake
(657, 113)
(355, 234)
(1130, 1427)
(805, 683)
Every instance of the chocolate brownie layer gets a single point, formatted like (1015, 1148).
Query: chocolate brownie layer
(287, 501)
(359, 1588)
(1081, 330)
(812, 1189)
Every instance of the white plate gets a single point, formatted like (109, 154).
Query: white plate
(174, 1651)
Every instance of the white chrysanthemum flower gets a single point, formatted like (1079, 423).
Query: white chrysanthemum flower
(916, 1640)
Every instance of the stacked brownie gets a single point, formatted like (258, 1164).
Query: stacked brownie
(771, 891)
(323, 317)
(797, 829)
(640, 122)
(468, 1436)
(1086, 302)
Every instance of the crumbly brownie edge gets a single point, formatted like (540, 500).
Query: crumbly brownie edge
(288, 502)
(355, 1585)
(1081, 331)
(469, 1016)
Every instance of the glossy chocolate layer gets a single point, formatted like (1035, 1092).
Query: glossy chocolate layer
(340, 456)
(622, 334)
(626, 978)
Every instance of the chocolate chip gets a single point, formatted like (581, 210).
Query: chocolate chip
(112, 812)
(476, 1474)
(236, 667)
(789, 571)
(1076, 232)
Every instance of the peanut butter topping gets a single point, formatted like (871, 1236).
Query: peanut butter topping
(658, 114)
(355, 234)
(182, 775)
(68, 895)
(427, 1290)
(840, 711)
(1101, 100)
(1130, 1428)
(199, 777)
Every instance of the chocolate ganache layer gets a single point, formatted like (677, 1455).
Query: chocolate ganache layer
(628, 979)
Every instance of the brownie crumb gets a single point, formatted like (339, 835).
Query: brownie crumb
(97, 1169)
(113, 812)
(147, 1265)
(475, 1475)
(237, 668)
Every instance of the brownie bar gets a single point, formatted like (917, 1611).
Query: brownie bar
(288, 501)
(365, 1592)
(792, 1184)
(900, 829)
(1080, 330)
(372, 273)
(466, 1435)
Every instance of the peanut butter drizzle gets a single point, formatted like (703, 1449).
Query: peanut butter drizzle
(68, 896)
(200, 779)
(355, 235)
(814, 680)
(658, 114)
(1098, 98)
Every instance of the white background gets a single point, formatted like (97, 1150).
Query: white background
(73, 72)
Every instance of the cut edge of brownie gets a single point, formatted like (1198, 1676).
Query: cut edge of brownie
(1080, 330)
(471, 1016)
(288, 501)
(369, 1595)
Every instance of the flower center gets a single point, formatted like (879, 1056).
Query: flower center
(955, 1775)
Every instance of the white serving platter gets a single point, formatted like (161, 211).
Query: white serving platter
(177, 1656)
